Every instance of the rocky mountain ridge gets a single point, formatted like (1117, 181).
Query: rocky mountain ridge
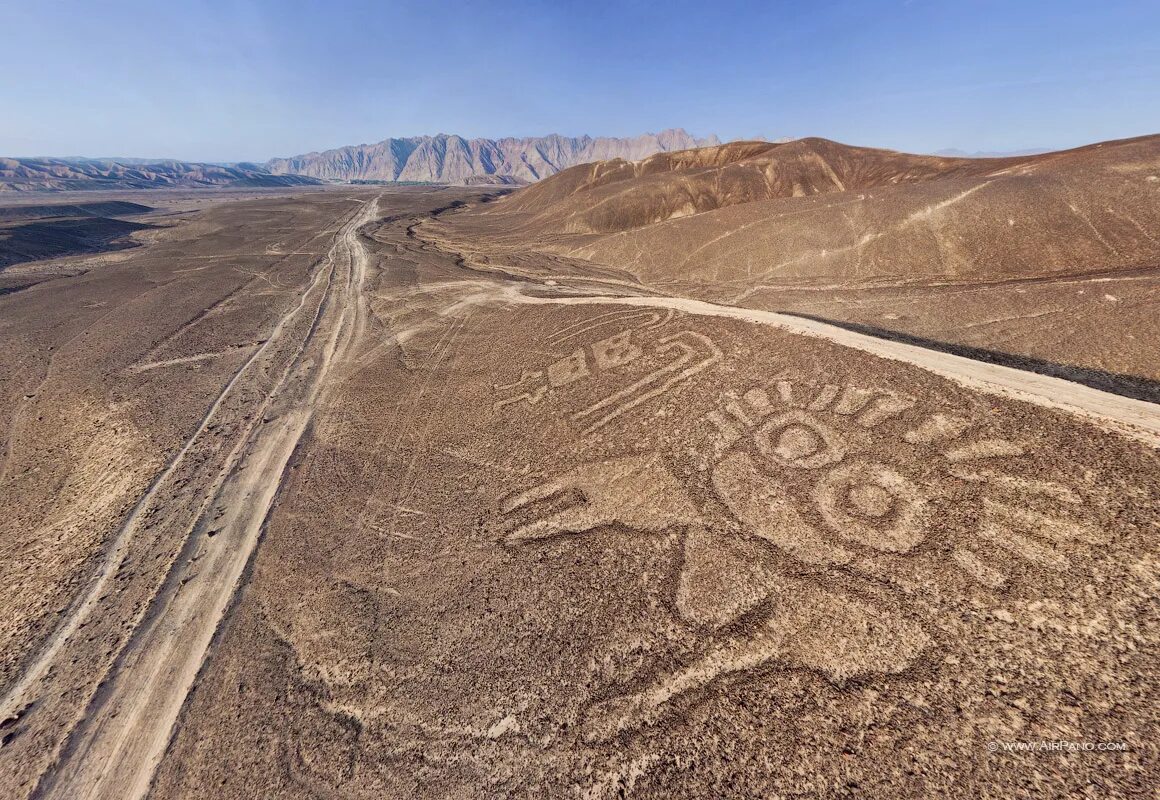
(67, 174)
(452, 159)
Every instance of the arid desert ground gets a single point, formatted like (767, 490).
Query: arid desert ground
(739, 472)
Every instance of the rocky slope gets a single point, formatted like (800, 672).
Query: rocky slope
(813, 209)
(61, 174)
(453, 159)
(1048, 262)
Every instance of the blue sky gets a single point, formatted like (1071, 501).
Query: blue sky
(228, 80)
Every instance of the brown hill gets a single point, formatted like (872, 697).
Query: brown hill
(617, 195)
(106, 208)
(1050, 261)
(33, 232)
(751, 212)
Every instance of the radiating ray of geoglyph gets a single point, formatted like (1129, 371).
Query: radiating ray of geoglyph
(858, 510)
(875, 505)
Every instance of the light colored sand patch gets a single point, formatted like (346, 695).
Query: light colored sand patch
(173, 362)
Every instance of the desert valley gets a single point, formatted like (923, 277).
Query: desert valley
(755, 469)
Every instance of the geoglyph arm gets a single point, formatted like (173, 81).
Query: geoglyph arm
(637, 491)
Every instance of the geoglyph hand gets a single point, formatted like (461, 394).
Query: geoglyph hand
(637, 491)
(805, 626)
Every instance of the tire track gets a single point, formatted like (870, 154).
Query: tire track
(130, 597)
(115, 752)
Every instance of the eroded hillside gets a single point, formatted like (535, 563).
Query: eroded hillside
(1051, 259)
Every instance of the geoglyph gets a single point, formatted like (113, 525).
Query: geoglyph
(767, 440)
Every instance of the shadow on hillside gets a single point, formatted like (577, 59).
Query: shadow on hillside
(44, 239)
(105, 208)
(1125, 385)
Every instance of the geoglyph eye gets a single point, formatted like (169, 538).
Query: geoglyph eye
(797, 439)
(873, 505)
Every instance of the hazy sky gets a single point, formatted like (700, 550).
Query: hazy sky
(226, 80)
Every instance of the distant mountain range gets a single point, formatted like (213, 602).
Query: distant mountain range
(72, 174)
(444, 159)
(452, 159)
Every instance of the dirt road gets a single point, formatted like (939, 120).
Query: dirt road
(118, 747)
(1136, 418)
(114, 750)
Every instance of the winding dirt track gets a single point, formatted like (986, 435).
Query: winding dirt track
(1138, 419)
(114, 751)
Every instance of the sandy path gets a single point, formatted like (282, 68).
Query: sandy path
(26, 689)
(1138, 419)
(115, 752)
